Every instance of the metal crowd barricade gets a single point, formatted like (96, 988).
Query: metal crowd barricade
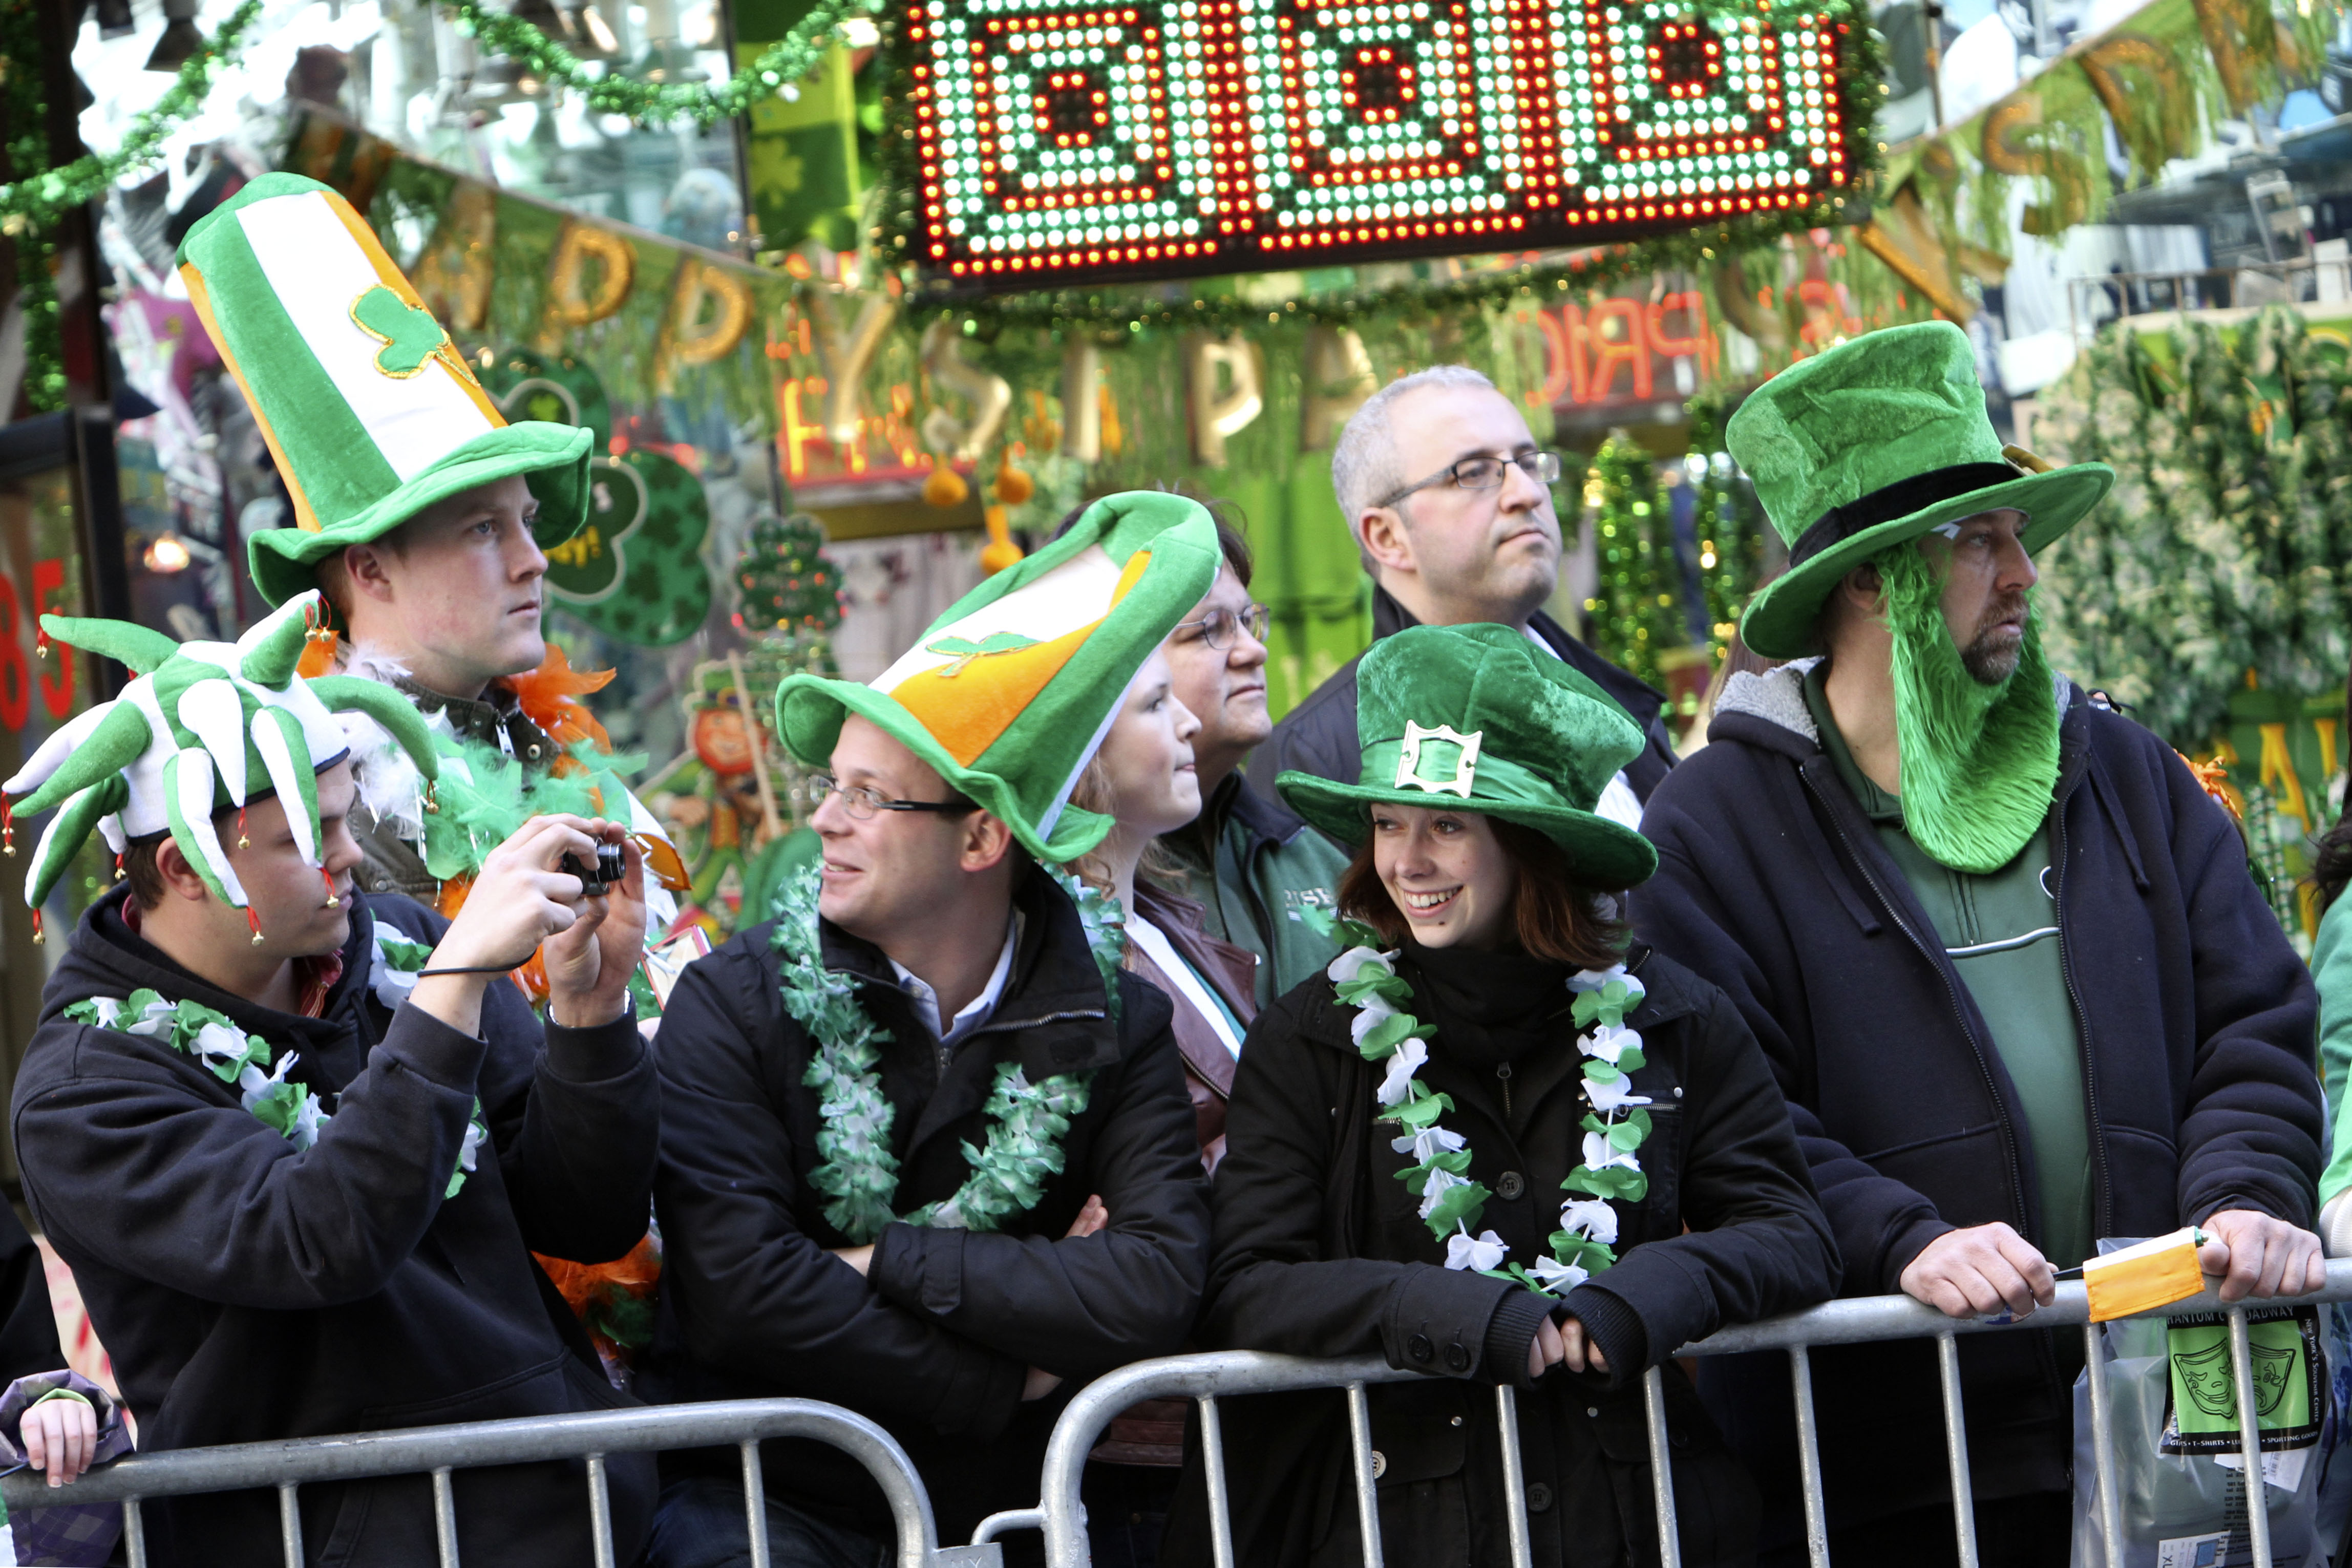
(286, 1467)
(1206, 1378)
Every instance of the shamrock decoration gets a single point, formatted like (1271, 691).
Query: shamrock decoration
(965, 651)
(409, 333)
(634, 570)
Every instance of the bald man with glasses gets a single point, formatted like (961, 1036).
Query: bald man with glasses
(1450, 501)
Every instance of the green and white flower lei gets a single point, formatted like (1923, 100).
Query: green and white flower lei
(236, 1058)
(859, 1173)
(1366, 978)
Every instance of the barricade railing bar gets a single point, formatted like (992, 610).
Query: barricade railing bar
(439, 1451)
(1207, 1377)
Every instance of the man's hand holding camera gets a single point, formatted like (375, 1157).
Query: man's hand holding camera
(532, 892)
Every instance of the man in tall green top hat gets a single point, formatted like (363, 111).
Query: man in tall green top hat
(893, 1113)
(420, 513)
(298, 1140)
(2001, 947)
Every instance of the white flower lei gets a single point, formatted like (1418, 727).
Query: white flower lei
(858, 1173)
(1366, 978)
(236, 1057)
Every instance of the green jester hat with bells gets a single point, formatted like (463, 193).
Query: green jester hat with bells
(205, 726)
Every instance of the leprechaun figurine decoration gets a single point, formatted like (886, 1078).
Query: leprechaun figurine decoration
(295, 1140)
(421, 514)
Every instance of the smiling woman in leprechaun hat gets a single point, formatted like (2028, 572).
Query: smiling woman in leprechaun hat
(2000, 948)
(1475, 1147)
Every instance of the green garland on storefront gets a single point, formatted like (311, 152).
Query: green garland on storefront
(24, 135)
(2226, 547)
(33, 202)
(778, 67)
(1636, 605)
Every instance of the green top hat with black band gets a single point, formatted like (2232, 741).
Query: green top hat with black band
(1010, 693)
(204, 727)
(1874, 444)
(370, 411)
(1479, 718)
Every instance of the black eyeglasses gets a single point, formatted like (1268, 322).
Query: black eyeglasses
(1217, 627)
(1484, 472)
(863, 803)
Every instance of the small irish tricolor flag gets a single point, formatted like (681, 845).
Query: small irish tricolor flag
(2145, 1276)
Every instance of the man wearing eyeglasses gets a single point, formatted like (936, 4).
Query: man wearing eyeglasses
(1450, 501)
(927, 1151)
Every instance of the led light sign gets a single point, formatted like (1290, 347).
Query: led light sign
(1063, 141)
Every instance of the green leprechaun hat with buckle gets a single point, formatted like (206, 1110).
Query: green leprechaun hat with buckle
(205, 727)
(370, 411)
(1875, 443)
(1477, 717)
(1010, 693)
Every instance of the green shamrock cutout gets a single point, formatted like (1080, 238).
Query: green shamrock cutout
(634, 570)
(553, 387)
(409, 333)
(965, 651)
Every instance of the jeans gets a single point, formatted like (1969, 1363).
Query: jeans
(701, 1524)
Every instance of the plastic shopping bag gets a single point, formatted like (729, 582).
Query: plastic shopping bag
(2182, 1485)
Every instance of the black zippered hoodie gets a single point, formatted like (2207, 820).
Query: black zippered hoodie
(247, 1292)
(2195, 1018)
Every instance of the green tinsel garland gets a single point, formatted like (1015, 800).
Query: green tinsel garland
(34, 203)
(779, 65)
(24, 133)
(1636, 605)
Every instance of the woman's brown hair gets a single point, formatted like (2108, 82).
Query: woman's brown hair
(1554, 916)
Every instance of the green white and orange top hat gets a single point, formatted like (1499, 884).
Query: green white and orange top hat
(204, 727)
(1010, 693)
(370, 411)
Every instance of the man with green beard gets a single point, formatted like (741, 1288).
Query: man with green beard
(2003, 952)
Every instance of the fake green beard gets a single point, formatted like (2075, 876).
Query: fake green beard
(1980, 762)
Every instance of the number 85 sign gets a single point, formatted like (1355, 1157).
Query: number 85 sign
(1163, 137)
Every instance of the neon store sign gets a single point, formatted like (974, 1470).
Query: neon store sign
(1060, 141)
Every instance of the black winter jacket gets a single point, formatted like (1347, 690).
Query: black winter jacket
(1320, 1250)
(247, 1291)
(2195, 1018)
(936, 1341)
(1319, 736)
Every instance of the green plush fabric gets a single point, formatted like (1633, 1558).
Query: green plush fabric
(1023, 775)
(1548, 741)
(204, 727)
(337, 462)
(552, 459)
(1882, 408)
(1979, 762)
